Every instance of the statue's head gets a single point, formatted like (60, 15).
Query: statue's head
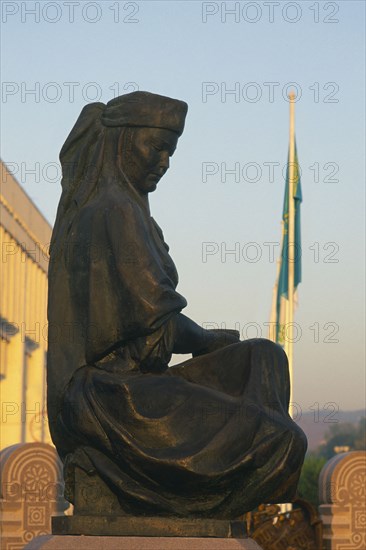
(151, 127)
(132, 136)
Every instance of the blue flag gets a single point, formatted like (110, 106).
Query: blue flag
(282, 284)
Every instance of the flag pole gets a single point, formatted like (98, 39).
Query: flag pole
(272, 329)
(291, 239)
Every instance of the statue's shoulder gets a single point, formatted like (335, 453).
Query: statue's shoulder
(112, 202)
(110, 216)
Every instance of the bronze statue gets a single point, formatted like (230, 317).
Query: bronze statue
(209, 438)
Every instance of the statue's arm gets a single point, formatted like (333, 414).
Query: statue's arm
(191, 338)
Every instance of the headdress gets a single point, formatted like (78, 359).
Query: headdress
(82, 154)
(143, 109)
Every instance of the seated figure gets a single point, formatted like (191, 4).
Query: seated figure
(210, 437)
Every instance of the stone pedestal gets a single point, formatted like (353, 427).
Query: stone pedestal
(66, 542)
(140, 526)
(343, 502)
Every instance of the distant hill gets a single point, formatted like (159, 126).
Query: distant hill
(316, 425)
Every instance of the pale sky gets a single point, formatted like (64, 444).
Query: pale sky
(233, 63)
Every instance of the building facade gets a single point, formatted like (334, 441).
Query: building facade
(25, 236)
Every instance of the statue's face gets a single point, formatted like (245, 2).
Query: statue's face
(148, 159)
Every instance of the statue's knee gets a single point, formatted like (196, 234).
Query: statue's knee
(263, 345)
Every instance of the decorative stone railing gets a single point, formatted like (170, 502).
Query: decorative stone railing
(31, 492)
(342, 496)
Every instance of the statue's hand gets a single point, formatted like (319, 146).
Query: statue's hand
(217, 339)
(155, 365)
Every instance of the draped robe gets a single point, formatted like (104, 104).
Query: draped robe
(210, 437)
